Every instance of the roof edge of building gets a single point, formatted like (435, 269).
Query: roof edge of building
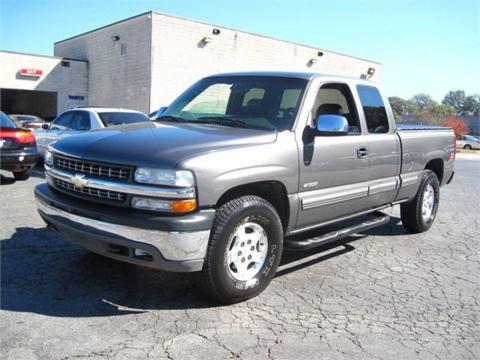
(222, 26)
(261, 35)
(104, 27)
(43, 56)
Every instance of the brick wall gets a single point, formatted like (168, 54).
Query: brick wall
(119, 71)
(179, 57)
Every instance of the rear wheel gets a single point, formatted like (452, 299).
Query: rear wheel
(419, 214)
(22, 175)
(467, 147)
(245, 248)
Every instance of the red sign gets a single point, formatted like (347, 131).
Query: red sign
(31, 72)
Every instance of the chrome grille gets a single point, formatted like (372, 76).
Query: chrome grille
(85, 167)
(91, 192)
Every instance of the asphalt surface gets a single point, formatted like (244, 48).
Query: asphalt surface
(381, 295)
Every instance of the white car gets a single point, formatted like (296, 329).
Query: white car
(468, 142)
(79, 120)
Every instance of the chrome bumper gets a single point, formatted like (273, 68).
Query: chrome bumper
(171, 251)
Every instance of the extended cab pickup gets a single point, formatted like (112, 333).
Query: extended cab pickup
(237, 165)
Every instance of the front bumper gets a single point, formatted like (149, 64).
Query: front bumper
(13, 160)
(179, 251)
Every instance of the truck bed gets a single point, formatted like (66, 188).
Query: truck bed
(408, 127)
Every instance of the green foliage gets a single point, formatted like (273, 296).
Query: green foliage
(402, 107)
(423, 101)
(464, 104)
(442, 110)
(428, 111)
(471, 105)
(455, 99)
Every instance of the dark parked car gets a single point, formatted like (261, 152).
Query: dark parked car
(28, 121)
(18, 151)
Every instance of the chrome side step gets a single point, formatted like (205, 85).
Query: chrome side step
(377, 219)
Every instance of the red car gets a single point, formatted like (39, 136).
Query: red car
(18, 149)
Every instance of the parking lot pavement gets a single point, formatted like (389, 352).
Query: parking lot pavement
(383, 295)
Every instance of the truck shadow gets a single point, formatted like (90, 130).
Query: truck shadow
(43, 274)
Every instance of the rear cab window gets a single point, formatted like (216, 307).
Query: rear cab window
(373, 109)
(120, 118)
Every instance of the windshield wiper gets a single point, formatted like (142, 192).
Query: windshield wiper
(171, 118)
(227, 121)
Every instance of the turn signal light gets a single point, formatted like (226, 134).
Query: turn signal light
(183, 206)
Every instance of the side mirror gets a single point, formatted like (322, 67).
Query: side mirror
(331, 125)
(45, 126)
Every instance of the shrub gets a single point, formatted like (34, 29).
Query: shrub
(458, 125)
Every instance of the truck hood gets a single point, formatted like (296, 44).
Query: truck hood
(157, 144)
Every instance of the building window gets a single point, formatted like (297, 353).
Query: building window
(123, 49)
(66, 63)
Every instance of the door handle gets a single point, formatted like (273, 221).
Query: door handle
(362, 152)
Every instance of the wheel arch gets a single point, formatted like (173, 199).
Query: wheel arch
(437, 166)
(273, 191)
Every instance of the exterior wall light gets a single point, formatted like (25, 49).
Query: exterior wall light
(216, 31)
(115, 38)
(370, 71)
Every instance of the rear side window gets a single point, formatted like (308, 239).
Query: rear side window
(6, 122)
(120, 118)
(374, 109)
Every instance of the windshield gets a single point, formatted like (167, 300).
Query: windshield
(6, 122)
(120, 118)
(257, 102)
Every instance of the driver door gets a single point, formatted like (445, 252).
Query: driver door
(333, 170)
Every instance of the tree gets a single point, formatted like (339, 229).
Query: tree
(402, 107)
(423, 101)
(458, 125)
(471, 105)
(455, 99)
(442, 110)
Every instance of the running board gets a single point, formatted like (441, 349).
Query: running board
(377, 219)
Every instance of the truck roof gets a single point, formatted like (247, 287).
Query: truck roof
(288, 74)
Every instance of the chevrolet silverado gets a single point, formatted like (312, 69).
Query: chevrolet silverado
(235, 167)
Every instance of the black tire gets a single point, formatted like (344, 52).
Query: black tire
(411, 212)
(22, 175)
(220, 284)
(467, 147)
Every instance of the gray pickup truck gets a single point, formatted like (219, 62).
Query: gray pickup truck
(235, 167)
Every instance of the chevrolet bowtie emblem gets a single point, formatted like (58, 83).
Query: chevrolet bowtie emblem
(79, 181)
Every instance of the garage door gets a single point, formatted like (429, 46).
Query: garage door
(31, 102)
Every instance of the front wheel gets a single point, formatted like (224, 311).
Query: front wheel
(467, 147)
(418, 215)
(244, 251)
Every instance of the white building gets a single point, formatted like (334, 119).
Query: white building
(41, 85)
(145, 61)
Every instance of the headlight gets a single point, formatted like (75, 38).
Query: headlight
(165, 177)
(48, 158)
(175, 206)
